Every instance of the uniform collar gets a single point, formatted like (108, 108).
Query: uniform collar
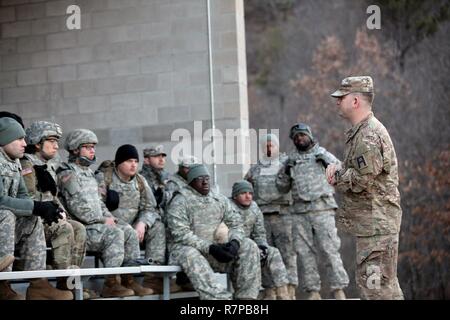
(3, 152)
(353, 130)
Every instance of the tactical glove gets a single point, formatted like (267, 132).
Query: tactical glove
(220, 253)
(233, 247)
(48, 211)
(45, 180)
(263, 253)
(112, 200)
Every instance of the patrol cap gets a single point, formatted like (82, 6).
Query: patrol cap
(241, 187)
(188, 161)
(358, 84)
(10, 130)
(196, 171)
(300, 127)
(154, 151)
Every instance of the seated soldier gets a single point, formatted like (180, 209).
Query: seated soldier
(193, 216)
(274, 274)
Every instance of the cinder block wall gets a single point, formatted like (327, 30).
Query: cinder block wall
(133, 73)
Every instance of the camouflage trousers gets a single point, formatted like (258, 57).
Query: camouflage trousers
(273, 272)
(68, 241)
(26, 234)
(279, 235)
(132, 250)
(245, 272)
(155, 243)
(108, 240)
(319, 228)
(376, 270)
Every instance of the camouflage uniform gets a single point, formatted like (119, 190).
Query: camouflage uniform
(81, 197)
(371, 204)
(67, 237)
(313, 217)
(275, 208)
(135, 206)
(19, 229)
(274, 272)
(192, 219)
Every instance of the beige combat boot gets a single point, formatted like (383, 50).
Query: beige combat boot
(113, 288)
(40, 289)
(339, 294)
(314, 295)
(270, 294)
(6, 261)
(292, 289)
(128, 282)
(156, 284)
(7, 293)
(282, 293)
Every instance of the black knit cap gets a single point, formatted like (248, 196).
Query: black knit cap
(125, 152)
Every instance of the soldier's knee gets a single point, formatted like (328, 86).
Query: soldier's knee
(247, 246)
(79, 231)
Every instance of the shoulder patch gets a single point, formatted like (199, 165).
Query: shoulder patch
(27, 171)
(361, 162)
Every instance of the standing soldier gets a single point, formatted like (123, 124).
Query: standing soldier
(193, 217)
(313, 212)
(275, 207)
(118, 244)
(137, 208)
(67, 237)
(368, 180)
(20, 226)
(274, 274)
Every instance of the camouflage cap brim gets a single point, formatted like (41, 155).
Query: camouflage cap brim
(339, 93)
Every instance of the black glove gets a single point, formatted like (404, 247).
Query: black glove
(159, 195)
(112, 200)
(288, 166)
(45, 180)
(48, 211)
(233, 247)
(320, 158)
(220, 253)
(263, 253)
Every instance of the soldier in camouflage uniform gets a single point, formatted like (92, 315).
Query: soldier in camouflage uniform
(274, 274)
(275, 207)
(117, 243)
(193, 216)
(368, 180)
(178, 180)
(20, 225)
(67, 237)
(153, 171)
(137, 208)
(313, 212)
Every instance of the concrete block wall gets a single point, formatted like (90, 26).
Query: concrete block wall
(133, 73)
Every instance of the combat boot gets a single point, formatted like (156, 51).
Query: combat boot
(128, 282)
(6, 261)
(270, 294)
(7, 293)
(314, 295)
(282, 293)
(40, 289)
(339, 294)
(292, 291)
(113, 288)
(156, 284)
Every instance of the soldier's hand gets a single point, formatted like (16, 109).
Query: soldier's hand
(110, 221)
(233, 247)
(220, 253)
(140, 230)
(263, 253)
(330, 172)
(112, 200)
(44, 179)
(288, 166)
(48, 211)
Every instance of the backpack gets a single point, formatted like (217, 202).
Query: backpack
(107, 168)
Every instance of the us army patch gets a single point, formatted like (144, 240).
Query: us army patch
(27, 171)
(361, 162)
